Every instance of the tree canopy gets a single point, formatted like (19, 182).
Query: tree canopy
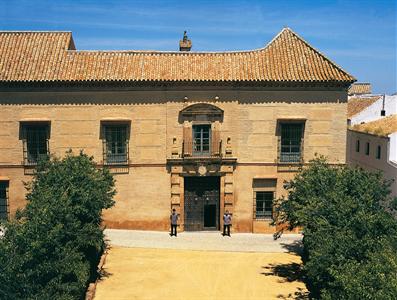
(52, 247)
(350, 235)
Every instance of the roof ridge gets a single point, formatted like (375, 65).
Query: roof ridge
(275, 38)
(318, 51)
(167, 51)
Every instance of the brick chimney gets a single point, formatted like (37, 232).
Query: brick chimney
(185, 44)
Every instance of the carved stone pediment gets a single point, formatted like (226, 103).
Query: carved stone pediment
(201, 112)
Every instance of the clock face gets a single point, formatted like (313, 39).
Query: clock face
(202, 170)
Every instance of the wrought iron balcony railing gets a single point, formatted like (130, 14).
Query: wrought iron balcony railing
(213, 150)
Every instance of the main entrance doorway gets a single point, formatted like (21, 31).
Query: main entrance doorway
(202, 203)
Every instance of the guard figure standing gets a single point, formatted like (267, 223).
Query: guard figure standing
(174, 222)
(227, 222)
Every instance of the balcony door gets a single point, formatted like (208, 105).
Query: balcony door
(201, 140)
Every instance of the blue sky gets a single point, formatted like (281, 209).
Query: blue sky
(360, 36)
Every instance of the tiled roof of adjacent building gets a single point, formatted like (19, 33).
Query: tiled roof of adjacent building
(51, 56)
(356, 105)
(382, 127)
(360, 88)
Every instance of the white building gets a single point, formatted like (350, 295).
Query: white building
(384, 106)
(372, 136)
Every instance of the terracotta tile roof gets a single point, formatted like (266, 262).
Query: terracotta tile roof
(360, 88)
(357, 104)
(382, 127)
(50, 56)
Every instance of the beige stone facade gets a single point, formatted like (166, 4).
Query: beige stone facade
(153, 181)
(199, 132)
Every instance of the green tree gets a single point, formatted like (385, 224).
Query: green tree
(52, 247)
(350, 240)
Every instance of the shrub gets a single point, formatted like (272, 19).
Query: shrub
(52, 247)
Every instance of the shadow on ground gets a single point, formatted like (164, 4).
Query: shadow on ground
(102, 272)
(295, 247)
(289, 272)
(300, 294)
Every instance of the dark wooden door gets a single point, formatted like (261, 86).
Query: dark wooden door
(201, 203)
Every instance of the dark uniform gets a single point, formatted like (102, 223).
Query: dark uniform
(174, 222)
(227, 222)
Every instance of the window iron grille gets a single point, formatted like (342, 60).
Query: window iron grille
(291, 143)
(263, 205)
(115, 145)
(4, 208)
(35, 144)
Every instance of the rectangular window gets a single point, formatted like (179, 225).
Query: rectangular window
(291, 142)
(201, 139)
(358, 146)
(4, 200)
(115, 144)
(378, 152)
(367, 148)
(35, 142)
(264, 205)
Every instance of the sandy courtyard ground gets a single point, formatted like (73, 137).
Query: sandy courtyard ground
(162, 274)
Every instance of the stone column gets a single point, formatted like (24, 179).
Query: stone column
(228, 190)
(177, 192)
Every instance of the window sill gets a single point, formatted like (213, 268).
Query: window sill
(118, 169)
(289, 167)
(109, 164)
(263, 218)
(30, 164)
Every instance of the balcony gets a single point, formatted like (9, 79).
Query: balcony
(217, 152)
(193, 150)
